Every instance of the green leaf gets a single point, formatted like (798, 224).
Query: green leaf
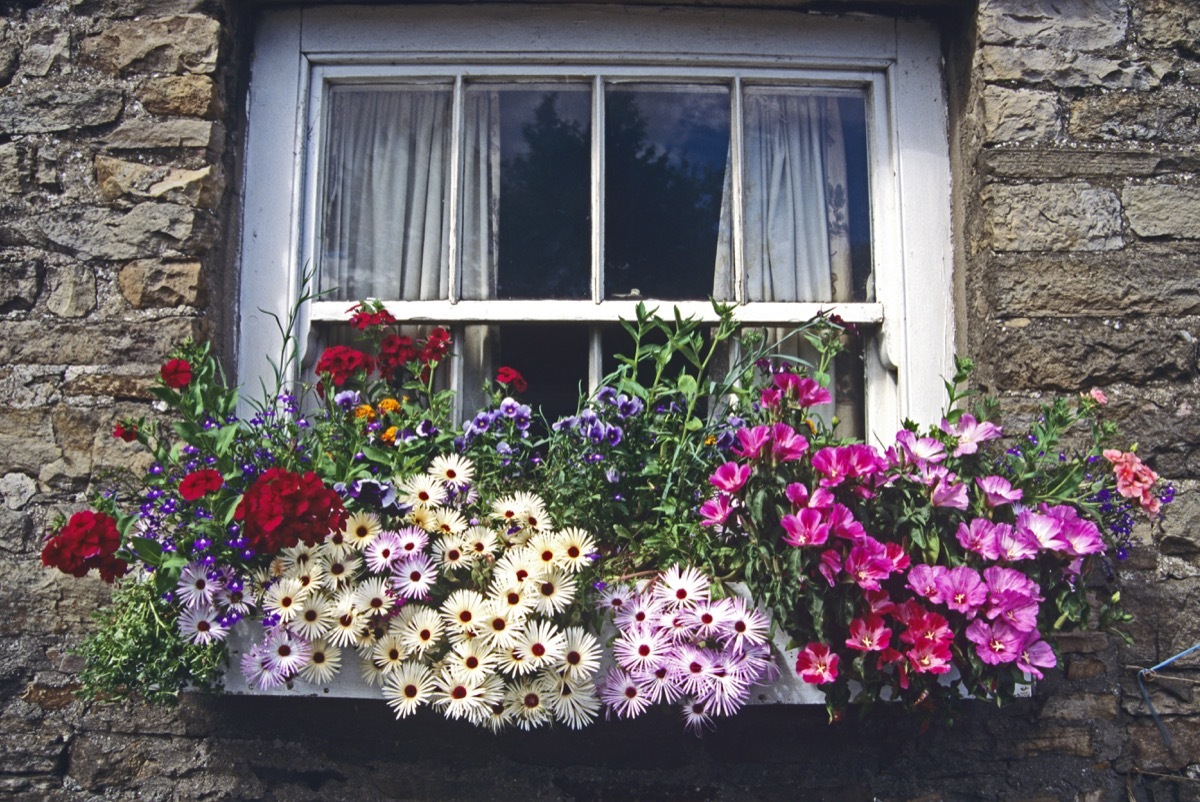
(687, 385)
(149, 550)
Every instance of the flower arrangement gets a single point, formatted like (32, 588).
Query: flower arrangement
(516, 572)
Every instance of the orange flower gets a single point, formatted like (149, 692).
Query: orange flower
(389, 436)
(364, 411)
(388, 405)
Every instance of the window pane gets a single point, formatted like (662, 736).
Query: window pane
(553, 358)
(384, 228)
(526, 195)
(806, 201)
(665, 199)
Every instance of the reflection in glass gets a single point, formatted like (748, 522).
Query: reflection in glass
(665, 154)
(526, 191)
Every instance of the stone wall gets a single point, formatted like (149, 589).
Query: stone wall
(1077, 212)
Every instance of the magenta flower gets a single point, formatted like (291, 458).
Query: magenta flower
(929, 657)
(949, 495)
(817, 665)
(1035, 653)
(730, 477)
(923, 579)
(898, 556)
(716, 511)
(1082, 537)
(843, 524)
(979, 537)
(970, 433)
(797, 494)
(807, 528)
(805, 391)
(995, 643)
(751, 442)
(868, 563)
(786, 445)
(925, 626)
(920, 450)
(771, 397)
(1013, 544)
(962, 590)
(869, 634)
(997, 490)
(831, 565)
(1044, 530)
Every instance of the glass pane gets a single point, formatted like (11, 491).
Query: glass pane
(665, 210)
(384, 226)
(526, 196)
(806, 200)
(553, 359)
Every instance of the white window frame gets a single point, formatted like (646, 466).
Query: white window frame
(300, 52)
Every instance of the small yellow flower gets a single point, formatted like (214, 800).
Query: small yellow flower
(364, 411)
(388, 405)
(389, 436)
(812, 426)
(711, 440)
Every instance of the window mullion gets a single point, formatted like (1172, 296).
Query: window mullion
(735, 133)
(597, 187)
(456, 167)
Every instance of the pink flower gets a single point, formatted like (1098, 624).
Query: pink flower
(716, 511)
(1044, 530)
(949, 495)
(797, 494)
(1034, 653)
(923, 579)
(868, 563)
(996, 643)
(807, 528)
(831, 565)
(970, 433)
(926, 626)
(805, 391)
(898, 556)
(962, 590)
(869, 634)
(752, 441)
(817, 665)
(1100, 398)
(730, 477)
(997, 490)
(979, 537)
(929, 657)
(839, 463)
(920, 450)
(878, 601)
(1013, 544)
(1134, 479)
(843, 524)
(787, 446)
(1082, 537)
(771, 397)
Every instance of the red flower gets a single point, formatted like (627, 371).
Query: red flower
(436, 347)
(395, 352)
(282, 508)
(341, 362)
(128, 435)
(177, 374)
(507, 375)
(363, 319)
(89, 540)
(198, 484)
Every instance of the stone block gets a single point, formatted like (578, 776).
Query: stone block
(1053, 217)
(1081, 642)
(48, 49)
(1059, 739)
(32, 753)
(182, 96)
(17, 489)
(1019, 115)
(144, 342)
(71, 290)
(1165, 117)
(1152, 753)
(41, 110)
(1163, 210)
(174, 44)
(20, 284)
(149, 283)
(1081, 707)
(1166, 23)
(1062, 68)
(148, 229)
(1052, 162)
(14, 168)
(10, 53)
(1146, 279)
(117, 179)
(107, 384)
(1082, 668)
(16, 530)
(118, 9)
(1067, 354)
(143, 134)
(1066, 25)
(26, 441)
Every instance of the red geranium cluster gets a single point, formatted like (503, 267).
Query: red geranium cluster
(341, 362)
(89, 540)
(436, 346)
(283, 508)
(176, 374)
(363, 319)
(198, 484)
(128, 435)
(513, 377)
(395, 352)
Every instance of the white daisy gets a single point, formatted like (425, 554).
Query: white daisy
(498, 718)
(681, 587)
(622, 694)
(421, 517)
(389, 652)
(335, 545)
(642, 649)
(372, 597)
(575, 545)
(347, 621)
(460, 698)
(314, 618)
(614, 598)
(338, 570)
(498, 628)
(284, 599)
(448, 522)
(659, 685)
(323, 664)
(415, 577)
(463, 611)
(408, 687)
(641, 609)
(541, 644)
(451, 553)
(581, 654)
(200, 625)
(516, 567)
(695, 717)
(513, 663)
(413, 540)
(472, 658)
(372, 672)
(452, 468)
(746, 625)
(515, 601)
(383, 552)
(195, 587)
(574, 703)
(361, 529)
(480, 541)
(297, 558)
(423, 631)
(420, 491)
(708, 618)
(555, 592)
(546, 548)
(529, 700)
(533, 512)
(286, 652)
